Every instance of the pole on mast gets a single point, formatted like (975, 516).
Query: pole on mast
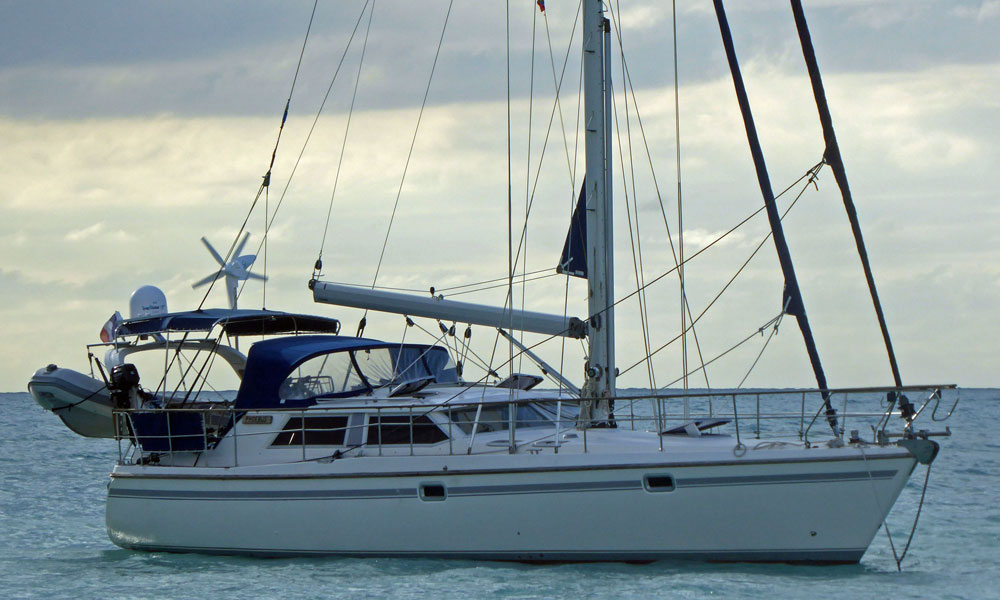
(599, 387)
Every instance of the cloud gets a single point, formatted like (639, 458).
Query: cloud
(988, 9)
(97, 231)
(85, 233)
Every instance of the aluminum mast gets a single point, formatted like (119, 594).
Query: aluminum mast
(601, 371)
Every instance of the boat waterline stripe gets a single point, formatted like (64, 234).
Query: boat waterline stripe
(796, 555)
(493, 490)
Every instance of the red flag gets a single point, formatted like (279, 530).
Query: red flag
(541, 5)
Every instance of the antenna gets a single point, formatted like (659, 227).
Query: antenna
(236, 270)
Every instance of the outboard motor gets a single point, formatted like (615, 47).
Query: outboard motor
(124, 386)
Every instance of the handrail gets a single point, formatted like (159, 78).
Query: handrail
(220, 423)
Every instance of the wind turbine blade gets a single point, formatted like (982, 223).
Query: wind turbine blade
(215, 254)
(208, 279)
(256, 276)
(243, 242)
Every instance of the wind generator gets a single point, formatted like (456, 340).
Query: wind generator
(236, 270)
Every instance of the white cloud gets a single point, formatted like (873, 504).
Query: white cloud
(78, 235)
(988, 9)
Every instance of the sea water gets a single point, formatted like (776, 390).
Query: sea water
(53, 543)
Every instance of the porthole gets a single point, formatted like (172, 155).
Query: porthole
(433, 492)
(658, 482)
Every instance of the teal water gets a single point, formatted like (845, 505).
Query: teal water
(53, 543)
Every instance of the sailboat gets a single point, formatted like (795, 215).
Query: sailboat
(351, 446)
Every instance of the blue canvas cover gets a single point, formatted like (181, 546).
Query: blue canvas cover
(234, 322)
(160, 431)
(270, 362)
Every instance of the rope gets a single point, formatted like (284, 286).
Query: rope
(94, 393)
(913, 530)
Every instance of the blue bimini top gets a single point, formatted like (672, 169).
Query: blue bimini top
(233, 322)
(295, 371)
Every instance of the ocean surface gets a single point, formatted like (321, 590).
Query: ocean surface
(53, 543)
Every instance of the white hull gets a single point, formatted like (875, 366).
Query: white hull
(821, 505)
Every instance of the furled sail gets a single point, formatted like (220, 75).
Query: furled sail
(574, 254)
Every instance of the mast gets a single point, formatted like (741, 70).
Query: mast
(601, 371)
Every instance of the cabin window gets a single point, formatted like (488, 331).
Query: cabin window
(395, 429)
(320, 431)
(494, 417)
(324, 375)
(394, 365)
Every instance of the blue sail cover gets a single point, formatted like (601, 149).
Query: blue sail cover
(574, 255)
(270, 362)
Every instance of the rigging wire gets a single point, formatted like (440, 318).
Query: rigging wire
(312, 128)
(811, 174)
(527, 180)
(509, 300)
(749, 337)
(678, 262)
(635, 239)
(774, 331)
(413, 143)
(522, 282)
(680, 203)
(572, 206)
(756, 332)
(633, 233)
(347, 127)
(570, 164)
(437, 290)
(548, 132)
(264, 185)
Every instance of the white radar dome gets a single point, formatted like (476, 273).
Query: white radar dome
(147, 301)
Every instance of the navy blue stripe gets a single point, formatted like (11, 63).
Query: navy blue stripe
(264, 494)
(493, 490)
(790, 478)
(535, 488)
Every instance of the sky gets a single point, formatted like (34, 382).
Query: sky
(130, 130)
